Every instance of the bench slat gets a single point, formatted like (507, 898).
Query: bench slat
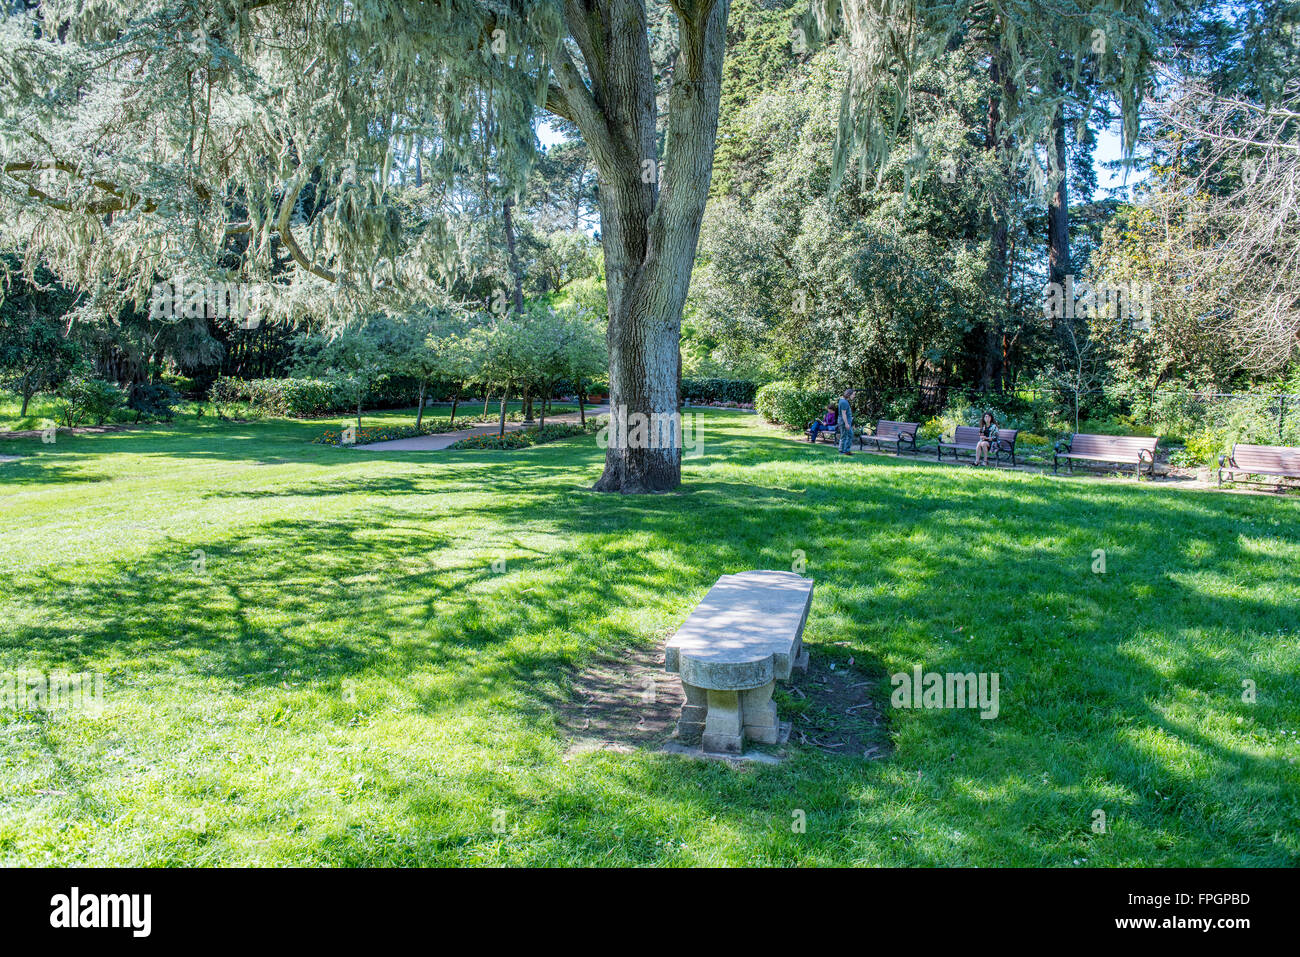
(1264, 460)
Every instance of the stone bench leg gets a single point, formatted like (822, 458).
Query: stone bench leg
(691, 724)
(759, 712)
(724, 725)
(722, 720)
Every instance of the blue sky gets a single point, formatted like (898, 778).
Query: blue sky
(1110, 148)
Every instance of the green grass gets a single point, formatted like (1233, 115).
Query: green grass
(41, 411)
(45, 409)
(348, 682)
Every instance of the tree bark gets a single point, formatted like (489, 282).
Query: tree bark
(516, 273)
(505, 398)
(649, 230)
(996, 143)
(455, 400)
(419, 413)
(1058, 209)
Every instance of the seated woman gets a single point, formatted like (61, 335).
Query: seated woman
(988, 438)
(824, 424)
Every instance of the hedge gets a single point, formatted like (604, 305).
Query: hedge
(790, 404)
(704, 391)
(311, 397)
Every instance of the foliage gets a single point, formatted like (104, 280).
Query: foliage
(374, 433)
(153, 401)
(524, 438)
(36, 353)
(291, 397)
(789, 404)
(705, 391)
(85, 397)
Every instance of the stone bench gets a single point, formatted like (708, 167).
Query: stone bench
(745, 635)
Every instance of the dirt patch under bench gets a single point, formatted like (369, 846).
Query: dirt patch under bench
(628, 702)
(834, 708)
(622, 703)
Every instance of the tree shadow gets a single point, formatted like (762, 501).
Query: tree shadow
(1102, 674)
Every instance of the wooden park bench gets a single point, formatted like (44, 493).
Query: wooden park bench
(745, 635)
(1126, 449)
(1249, 460)
(900, 435)
(823, 435)
(966, 437)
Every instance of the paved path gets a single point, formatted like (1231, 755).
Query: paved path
(440, 440)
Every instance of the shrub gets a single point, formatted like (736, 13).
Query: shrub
(963, 412)
(304, 397)
(707, 391)
(789, 404)
(1257, 420)
(87, 397)
(153, 401)
(184, 385)
(291, 397)
(523, 438)
(377, 433)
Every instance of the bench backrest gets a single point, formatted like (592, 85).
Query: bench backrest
(969, 435)
(886, 428)
(1122, 447)
(1275, 458)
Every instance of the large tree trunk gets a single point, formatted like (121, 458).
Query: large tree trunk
(996, 142)
(1058, 209)
(649, 230)
(512, 253)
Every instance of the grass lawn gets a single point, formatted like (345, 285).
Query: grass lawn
(45, 409)
(345, 680)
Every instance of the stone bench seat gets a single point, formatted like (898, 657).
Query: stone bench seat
(745, 635)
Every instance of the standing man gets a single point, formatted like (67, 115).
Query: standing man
(845, 423)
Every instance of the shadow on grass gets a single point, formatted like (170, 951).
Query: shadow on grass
(914, 564)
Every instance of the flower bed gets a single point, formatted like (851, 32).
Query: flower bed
(523, 438)
(377, 433)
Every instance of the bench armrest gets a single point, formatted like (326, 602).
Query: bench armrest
(1064, 444)
(1224, 459)
(1146, 455)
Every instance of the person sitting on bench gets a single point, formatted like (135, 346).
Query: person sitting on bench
(988, 438)
(824, 424)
